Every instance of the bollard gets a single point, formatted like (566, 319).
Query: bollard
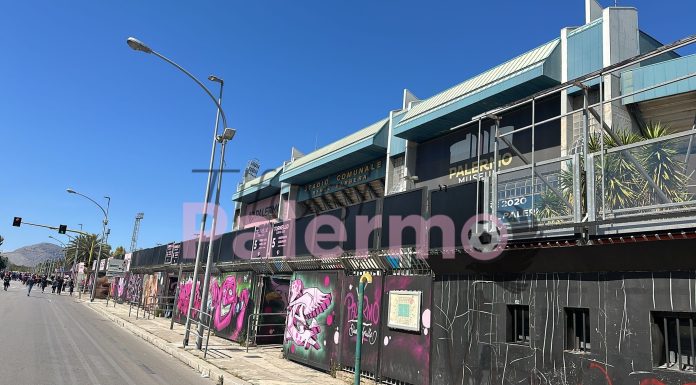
(364, 280)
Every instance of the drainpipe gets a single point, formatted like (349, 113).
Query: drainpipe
(364, 280)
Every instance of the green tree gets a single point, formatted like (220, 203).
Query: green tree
(119, 253)
(85, 245)
(624, 186)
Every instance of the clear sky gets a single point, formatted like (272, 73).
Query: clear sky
(79, 109)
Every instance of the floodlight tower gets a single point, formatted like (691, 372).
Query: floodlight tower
(136, 230)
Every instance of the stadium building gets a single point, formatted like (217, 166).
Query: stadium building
(575, 160)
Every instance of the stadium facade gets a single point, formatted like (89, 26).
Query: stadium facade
(574, 158)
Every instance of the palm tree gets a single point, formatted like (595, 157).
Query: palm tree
(624, 186)
(660, 161)
(87, 247)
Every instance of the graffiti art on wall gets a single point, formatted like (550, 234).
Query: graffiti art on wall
(151, 288)
(406, 354)
(306, 304)
(121, 286)
(184, 298)
(134, 287)
(228, 302)
(372, 299)
(312, 318)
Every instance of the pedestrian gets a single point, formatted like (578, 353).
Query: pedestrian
(60, 284)
(30, 283)
(71, 286)
(54, 284)
(44, 282)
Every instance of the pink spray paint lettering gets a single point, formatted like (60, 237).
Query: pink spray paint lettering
(306, 304)
(370, 317)
(227, 304)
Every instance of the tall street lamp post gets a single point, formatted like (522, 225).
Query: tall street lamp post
(226, 136)
(104, 223)
(140, 46)
(62, 244)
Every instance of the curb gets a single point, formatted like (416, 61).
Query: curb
(204, 367)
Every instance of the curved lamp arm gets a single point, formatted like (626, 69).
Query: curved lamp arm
(71, 191)
(140, 46)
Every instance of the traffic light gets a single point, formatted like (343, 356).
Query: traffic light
(17, 221)
(62, 229)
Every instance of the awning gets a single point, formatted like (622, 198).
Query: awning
(359, 147)
(522, 76)
(259, 188)
(652, 75)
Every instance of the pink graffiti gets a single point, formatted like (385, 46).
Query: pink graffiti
(226, 304)
(121, 287)
(370, 311)
(305, 306)
(184, 298)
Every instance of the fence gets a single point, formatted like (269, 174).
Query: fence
(607, 173)
(261, 320)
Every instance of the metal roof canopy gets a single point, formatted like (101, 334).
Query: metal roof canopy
(524, 75)
(359, 147)
(259, 188)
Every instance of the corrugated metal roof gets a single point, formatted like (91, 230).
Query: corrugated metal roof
(486, 79)
(365, 133)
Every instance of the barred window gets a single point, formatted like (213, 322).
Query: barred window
(673, 340)
(577, 337)
(518, 324)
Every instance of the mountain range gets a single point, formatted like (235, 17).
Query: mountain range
(34, 254)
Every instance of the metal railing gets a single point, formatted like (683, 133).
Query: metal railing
(156, 306)
(256, 321)
(201, 323)
(607, 174)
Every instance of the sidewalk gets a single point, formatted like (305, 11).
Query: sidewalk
(226, 360)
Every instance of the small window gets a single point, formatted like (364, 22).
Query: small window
(577, 330)
(518, 324)
(673, 340)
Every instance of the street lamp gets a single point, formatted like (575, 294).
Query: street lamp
(104, 223)
(62, 244)
(226, 136)
(137, 45)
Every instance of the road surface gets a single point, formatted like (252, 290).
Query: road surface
(52, 340)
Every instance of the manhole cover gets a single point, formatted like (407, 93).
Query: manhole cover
(252, 356)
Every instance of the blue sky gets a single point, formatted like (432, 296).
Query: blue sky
(79, 109)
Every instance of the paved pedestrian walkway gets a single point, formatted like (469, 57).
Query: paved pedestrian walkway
(226, 360)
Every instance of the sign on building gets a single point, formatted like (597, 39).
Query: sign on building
(173, 253)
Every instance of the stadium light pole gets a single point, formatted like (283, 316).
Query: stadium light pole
(137, 45)
(104, 223)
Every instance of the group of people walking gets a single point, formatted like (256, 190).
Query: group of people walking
(58, 283)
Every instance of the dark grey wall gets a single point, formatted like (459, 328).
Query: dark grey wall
(470, 315)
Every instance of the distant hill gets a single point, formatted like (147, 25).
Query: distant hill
(34, 254)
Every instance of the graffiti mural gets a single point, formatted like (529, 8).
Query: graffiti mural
(121, 287)
(184, 297)
(406, 354)
(134, 288)
(228, 303)
(372, 301)
(312, 319)
(150, 288)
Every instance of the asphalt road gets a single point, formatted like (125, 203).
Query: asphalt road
(46, 339)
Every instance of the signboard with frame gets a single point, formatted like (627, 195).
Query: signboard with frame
(404, 310)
